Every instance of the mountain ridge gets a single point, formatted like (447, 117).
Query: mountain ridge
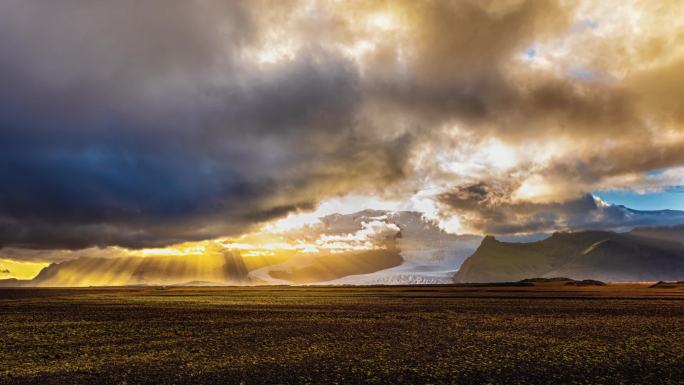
(600, 255)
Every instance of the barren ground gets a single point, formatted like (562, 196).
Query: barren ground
(426, 334)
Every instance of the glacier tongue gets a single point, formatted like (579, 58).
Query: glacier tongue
(431, 255)
(408, 273)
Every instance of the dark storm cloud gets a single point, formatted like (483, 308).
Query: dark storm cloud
(133, 124)
(254, 154)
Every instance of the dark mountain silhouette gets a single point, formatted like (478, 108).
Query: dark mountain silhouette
(650, 254)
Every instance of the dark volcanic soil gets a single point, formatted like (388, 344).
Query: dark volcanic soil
(437, 334)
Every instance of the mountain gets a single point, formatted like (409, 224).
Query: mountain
(337, 265)
(225, 268)
(13, 282)
(651, 254)
(672, 234)
(400, 247)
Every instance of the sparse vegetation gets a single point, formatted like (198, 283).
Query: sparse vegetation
(427, 334)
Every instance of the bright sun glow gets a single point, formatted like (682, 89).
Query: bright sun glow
(179, 250)
(382, 21)
(20, 269)
(534, 190)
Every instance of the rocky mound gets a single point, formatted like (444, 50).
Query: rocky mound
(668, 285)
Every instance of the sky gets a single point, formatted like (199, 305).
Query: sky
(128, 125)
(661, 200)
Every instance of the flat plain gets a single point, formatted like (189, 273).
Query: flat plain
(413, 334)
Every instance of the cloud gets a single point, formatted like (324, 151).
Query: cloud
(148, 124)
(372, 234)
(492, 210)
(147, 131)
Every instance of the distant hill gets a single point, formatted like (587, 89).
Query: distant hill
(557, 281)
(651, 254)
(13, 282)
(668, 285)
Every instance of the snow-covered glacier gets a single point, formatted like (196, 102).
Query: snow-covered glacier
(430, 254)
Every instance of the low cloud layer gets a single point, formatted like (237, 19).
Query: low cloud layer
(488, 211)
(147, 124)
